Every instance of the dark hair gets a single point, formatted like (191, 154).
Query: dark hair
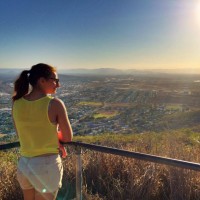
(21, 85)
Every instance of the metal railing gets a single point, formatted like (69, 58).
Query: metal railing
(114, 151)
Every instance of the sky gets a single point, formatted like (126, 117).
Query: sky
(121, 34)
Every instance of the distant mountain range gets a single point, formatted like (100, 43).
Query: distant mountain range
(108, 71)
(7, 71)
(113, 71)
(99, 71)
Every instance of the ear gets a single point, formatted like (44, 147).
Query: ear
(41, 80)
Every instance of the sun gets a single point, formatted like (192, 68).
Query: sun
(198, 11)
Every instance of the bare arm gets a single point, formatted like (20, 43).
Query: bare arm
(14, 122)
(62, 119)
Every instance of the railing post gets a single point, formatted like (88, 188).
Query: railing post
(78, 174)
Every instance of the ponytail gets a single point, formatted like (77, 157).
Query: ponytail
(21, 85)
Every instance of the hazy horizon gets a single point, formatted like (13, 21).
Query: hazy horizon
(109, 70)
(92, 34)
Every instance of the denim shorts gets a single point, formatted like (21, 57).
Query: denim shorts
(43, 173)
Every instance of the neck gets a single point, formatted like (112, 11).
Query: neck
(36, 94)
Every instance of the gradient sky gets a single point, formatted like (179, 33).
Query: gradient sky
(123, 34)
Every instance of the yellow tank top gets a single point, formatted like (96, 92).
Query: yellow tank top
(37, 135)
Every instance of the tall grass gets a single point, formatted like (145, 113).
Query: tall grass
(116, 177)
(109, 177)
(9, 187)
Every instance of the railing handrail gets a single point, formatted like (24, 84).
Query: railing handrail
(9, 145)
(120, 152)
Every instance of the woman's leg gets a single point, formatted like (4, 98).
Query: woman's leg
(32, 194)
(45, 196)
(29, 194)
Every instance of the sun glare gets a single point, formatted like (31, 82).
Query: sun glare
(198, 11)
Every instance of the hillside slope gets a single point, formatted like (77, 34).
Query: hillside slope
(179, 121)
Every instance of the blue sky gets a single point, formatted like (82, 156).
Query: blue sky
(123, 34)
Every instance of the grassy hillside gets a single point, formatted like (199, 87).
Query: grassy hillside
(179, 120)
(111, 177)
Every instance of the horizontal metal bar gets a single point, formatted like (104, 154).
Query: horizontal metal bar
(140, 156)
(9, 145)
(130, 154)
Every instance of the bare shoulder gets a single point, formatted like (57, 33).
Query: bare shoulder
(57, 103)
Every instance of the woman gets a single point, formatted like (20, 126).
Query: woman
(37, 117)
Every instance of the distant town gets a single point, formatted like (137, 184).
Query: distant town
(128, 104)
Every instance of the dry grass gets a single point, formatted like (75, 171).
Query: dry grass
(9, 187)
(108, 177)
(2, 135)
